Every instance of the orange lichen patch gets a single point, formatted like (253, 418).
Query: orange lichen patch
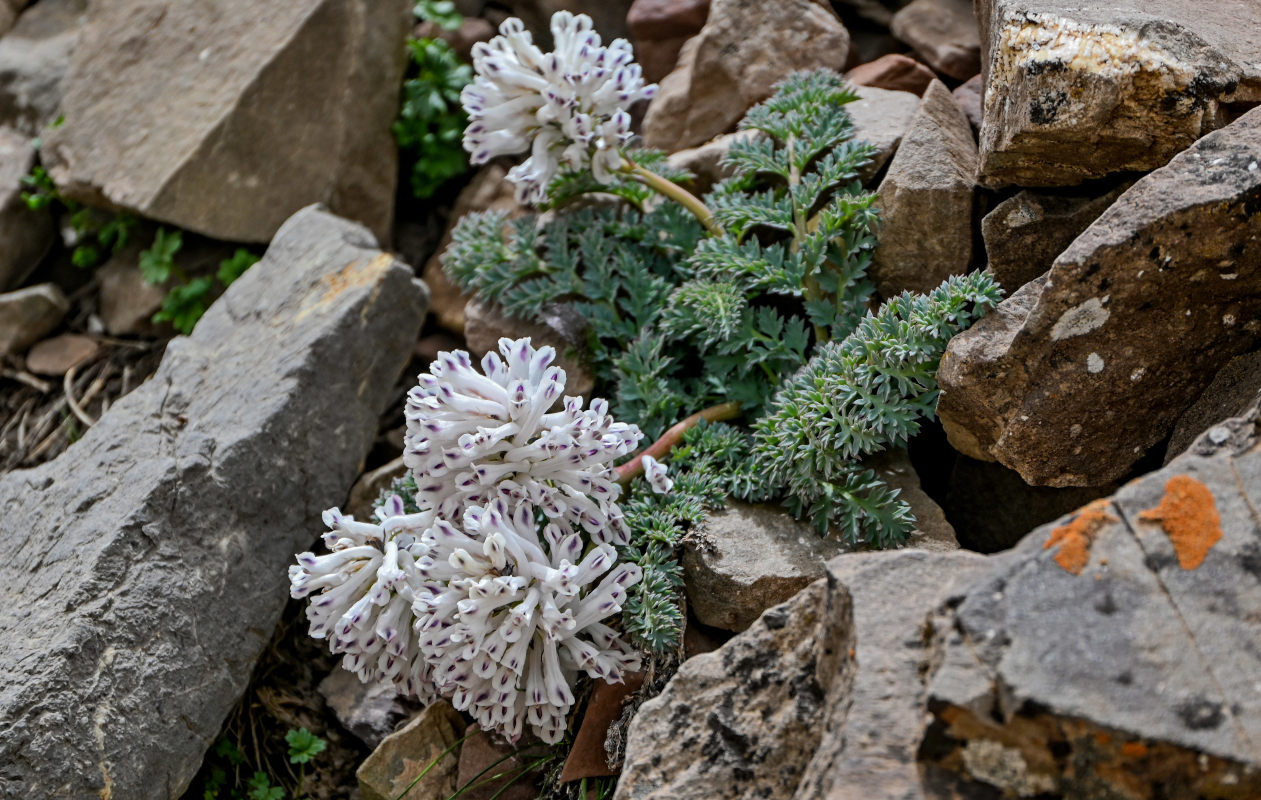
(1134, 750)
(1075, 536)
(355, 274)
(1189, 516)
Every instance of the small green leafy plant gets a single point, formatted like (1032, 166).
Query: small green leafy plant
(231, 778)
(94, 233)
(430, 121)
(187, 298)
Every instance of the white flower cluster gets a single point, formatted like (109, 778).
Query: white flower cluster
(565, 107)
(472, 437)
(464, 599)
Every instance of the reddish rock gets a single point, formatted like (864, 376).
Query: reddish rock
(482, 757)
(893, 71)
(970, 95)
(588, 758)
(943, 33)
(60, 354)
(660, 27)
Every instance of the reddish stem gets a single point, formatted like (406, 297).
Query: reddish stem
(658, 449)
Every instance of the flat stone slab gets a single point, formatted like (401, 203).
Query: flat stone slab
(145, 567)
(1079, 90)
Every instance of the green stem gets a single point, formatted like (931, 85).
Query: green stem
(810, 286)
(671, 190)
(658, 449)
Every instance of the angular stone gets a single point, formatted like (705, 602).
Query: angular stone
(747, 559)
(1235, 387)
(487, 191)
(659, 28)
(483, 759)
(894, 72)
(943, 33)
(1105, 658)
(872, 731)
(25, 235)
(925, 200)
(127, 302)
(371, 711)
(745, 48)
(60, 354)
(743, 720)
(970, 95)
(562, 329)
(881, 118)
(388, 773)
(211, 99)
(1074, 377)
(34, 57)
(148, 562)
(1080, 90)
(29, 314)
(1024, 233)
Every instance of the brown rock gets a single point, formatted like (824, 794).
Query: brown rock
(127, 301)
(487, 191)
(659, 28)
(1080, 90)
(925, 200)
(370, 485)
(33, 60)
(747, 559)
(588, 757)
(745, 48)
(482, 757)
(25, 235)
(60, 354)
(1235, 387)
(387, 773)
(29, 314)
(970, 95)
(1024, 233)
(872, 731)
(9, 10)
(1073, 378)
(895, 72)
(1103, 658)
(943, 33)
(881, 118)
(209, 99)
(485, 325)
(744, 720)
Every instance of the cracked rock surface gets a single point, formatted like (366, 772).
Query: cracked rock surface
(1116, 651)
(1077, 375)
(145, 567)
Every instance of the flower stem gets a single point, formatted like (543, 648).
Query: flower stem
(675, 192)
(658, 449)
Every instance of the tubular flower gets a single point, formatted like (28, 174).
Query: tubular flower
(473, 437)
(565, 107)
(507, 620)
(367, 583)
(657, 475)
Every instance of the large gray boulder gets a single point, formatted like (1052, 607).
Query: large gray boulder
(1078, 90)
(225, 118)
(1073, 378)
(1114, 654)
(145, 567)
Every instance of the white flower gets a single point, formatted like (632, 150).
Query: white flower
(507, 621)
(566, 107)
(658, 477)
(473, 437)
(366, 584)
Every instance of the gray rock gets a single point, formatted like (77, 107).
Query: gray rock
(943, 33)
(1112, 655)
(1024, 233)
(1080, 90)
(25, 235)
(127, 302)
(745, 48)
(239, 117)
(34, 57)
(563, 329)
(388, 773)
(747, 559)
(1074, 377)
(9, 10)
(146, 566)
(743, 721)
(881, 118)
(1235, 387)
(371, 711)
(925, 200)
(30, 314)
(872, 731)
